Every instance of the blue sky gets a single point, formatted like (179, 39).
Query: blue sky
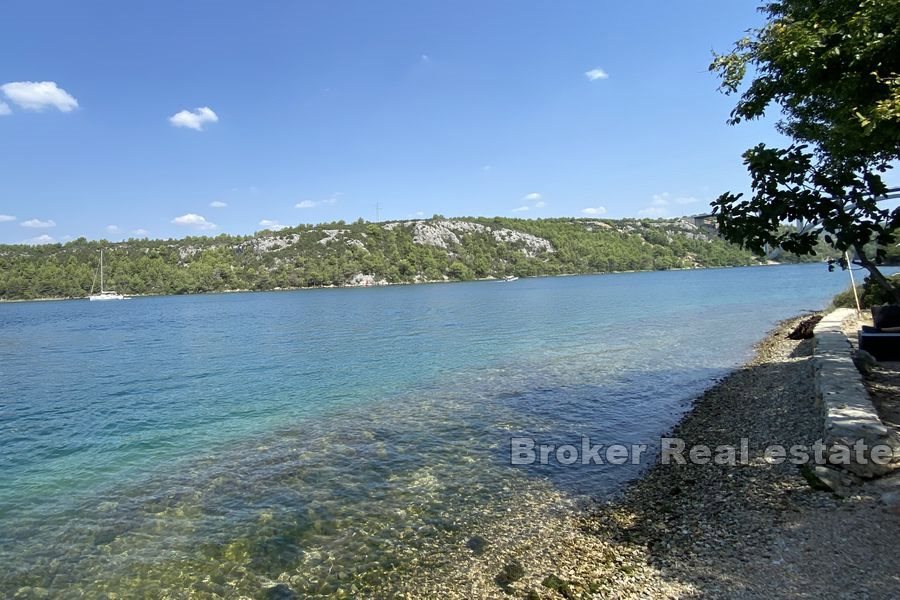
(174, 118)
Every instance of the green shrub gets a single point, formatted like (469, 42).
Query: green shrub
(870, 294)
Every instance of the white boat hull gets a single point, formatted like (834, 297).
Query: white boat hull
(106, 296)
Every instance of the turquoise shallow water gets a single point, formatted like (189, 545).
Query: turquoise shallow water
(216, 442)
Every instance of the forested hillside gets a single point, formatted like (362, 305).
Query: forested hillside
(363, 253)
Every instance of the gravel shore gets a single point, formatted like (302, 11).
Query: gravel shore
(703, 531)
(757, 531)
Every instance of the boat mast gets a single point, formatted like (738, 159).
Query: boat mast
(101, 270)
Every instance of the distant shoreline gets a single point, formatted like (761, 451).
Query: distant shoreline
(378, 285)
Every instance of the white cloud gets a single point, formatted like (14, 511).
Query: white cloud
(38, 95)
(194, 119)
(312, 203)
(5, 218)
(140, 232)
(271, 225)
(112, 228)
(595, 74)
(5, 109)
(666, 199)
(218, 204)
(41, 239)
(654, 212)
(425, 58)
(659, 204)
(38, 224)
(660, 199)
(594, 210)
(534, 200)
(486, 168)
(193, 221)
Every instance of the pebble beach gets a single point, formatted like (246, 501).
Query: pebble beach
(699, 531)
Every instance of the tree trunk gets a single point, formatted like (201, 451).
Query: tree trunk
(876, 275)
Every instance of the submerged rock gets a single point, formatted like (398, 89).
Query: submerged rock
(511, 572)
(477, 544)
(105, 536)
(280, 591)
(560, 586)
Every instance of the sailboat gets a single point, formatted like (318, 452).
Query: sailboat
(104, 294)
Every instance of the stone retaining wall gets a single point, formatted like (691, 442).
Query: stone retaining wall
(847, 410)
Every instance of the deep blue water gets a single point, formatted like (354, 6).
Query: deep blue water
(159, 443)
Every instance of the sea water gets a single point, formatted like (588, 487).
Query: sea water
(215, 443)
